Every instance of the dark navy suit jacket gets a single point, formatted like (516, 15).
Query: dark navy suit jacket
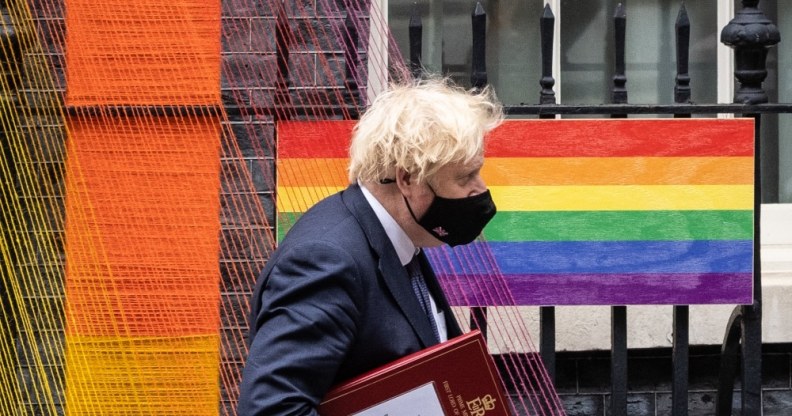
(334, 301)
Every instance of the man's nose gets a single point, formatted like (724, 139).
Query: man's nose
(478, 186)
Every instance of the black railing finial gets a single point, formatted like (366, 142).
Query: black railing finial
(546, 26)
(478, 74)
(619, 93)
(416, 32)
(682, 87)
(750, 34)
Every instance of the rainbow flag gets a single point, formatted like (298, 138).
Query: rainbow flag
(590, 212)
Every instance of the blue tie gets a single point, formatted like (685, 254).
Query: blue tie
(422, 292)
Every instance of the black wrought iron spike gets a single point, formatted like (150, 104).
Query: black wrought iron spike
(478, 74)
(546, 26)
(619, 92)
(415, 32)
(682, 87)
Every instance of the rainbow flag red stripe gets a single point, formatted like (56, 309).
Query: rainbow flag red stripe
(589, 211)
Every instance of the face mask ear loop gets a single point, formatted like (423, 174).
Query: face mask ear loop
(430, 188)
(409, 208)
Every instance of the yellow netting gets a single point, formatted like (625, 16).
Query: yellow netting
(142, 375)
(31, 223)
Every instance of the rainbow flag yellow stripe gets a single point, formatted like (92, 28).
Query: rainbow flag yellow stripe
(574, 198)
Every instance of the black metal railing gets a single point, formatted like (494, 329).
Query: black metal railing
(750, 33)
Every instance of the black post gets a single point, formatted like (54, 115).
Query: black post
(680, 358)
(547, 327)
(729, 361)
(478, 80)
(618, 400)
(744, 330)
(478, 319)
(751, 326)
(681, 348)
(478, 74)
(751, 34)
(416, 41)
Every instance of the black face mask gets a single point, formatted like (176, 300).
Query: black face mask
(456, 221)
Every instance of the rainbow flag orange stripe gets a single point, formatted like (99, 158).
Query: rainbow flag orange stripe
(590, 211)
(705, 170)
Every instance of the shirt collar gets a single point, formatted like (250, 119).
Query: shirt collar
(405, 248)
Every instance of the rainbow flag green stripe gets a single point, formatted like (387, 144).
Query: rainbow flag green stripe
(604, 225)
(285, 222)
(620, 225)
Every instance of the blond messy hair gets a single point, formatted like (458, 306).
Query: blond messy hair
(421, 127)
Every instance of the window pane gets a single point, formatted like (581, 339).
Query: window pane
(431, 19)
(513, 60)
(514, 63)
(784, 60)
(587, 50)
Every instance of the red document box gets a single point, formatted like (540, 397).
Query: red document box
(457, 377)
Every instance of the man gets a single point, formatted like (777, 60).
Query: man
(337, 298)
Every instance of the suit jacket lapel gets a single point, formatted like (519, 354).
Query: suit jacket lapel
(393, 272)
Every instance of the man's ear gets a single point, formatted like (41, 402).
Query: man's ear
(405, 182)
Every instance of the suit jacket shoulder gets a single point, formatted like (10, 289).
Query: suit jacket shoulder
(333, 302)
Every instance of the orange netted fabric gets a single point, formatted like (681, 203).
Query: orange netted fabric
(142, 52)
(142, 220)
(142, 207)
